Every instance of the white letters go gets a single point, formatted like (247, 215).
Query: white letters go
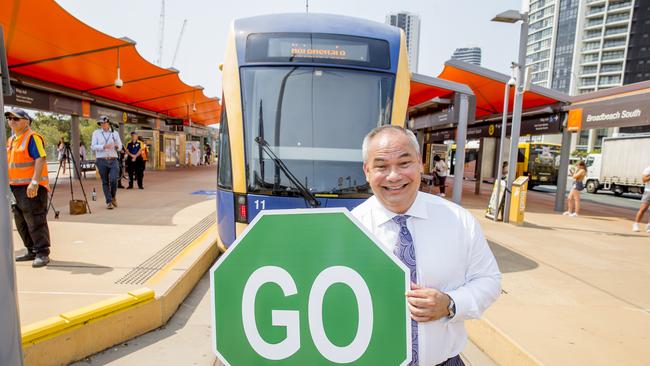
(290, 318)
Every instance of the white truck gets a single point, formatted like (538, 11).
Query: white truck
(620, 165)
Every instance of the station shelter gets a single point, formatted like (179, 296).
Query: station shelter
(91, 74)
(435, 119)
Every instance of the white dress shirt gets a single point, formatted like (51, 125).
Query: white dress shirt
(101, 138)
(451, 256)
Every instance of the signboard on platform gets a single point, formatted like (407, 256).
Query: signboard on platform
(445, 117)
(546, 124)
(65, 105)
(633, 110)
(28, 98)
(309, 287)
(117, 116)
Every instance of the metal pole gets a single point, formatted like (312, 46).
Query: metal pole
(11, 353)
(562, 174)
(74, 143)
(516, 114)
(461, 137)
(504, 125)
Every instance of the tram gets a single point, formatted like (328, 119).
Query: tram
(300, 92)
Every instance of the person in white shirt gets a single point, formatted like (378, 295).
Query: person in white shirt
(454, 274)
(105, 144)
(441, 172)
(645, 202)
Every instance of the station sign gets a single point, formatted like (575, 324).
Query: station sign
(116, 115)
(540, 125)
(442, 118)
(633, 110)
(28, 98)
(309, 287)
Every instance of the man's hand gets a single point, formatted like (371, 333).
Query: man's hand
(427, 304)
(32, 190)
(109, 146)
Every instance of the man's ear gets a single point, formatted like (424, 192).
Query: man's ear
(366, 171)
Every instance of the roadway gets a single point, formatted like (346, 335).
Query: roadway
(627, 200)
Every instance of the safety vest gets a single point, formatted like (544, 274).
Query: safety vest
(21, 165)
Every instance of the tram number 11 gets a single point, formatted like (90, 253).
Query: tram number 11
(260, 204)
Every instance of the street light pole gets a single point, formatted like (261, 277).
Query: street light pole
(516, 113)
(504, 126)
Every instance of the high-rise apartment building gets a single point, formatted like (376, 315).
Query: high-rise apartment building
(468, 54)
(410, 23)
(579, 46)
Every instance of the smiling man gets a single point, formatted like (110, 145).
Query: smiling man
(454, 275)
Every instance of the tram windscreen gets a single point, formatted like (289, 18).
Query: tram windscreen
(314, 120)
(544, 154)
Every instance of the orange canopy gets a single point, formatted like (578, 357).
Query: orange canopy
(47, 43)
(425, 88)
(489, 87)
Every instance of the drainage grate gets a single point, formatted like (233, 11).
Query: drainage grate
(140, 274)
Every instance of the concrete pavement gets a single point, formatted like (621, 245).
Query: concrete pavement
(571, 285)
(576, 290)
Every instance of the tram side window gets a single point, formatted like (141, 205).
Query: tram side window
(224, 179)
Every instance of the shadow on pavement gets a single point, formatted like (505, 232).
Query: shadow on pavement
(78, 267)
(510, 261)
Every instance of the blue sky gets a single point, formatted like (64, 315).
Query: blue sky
(445, 25)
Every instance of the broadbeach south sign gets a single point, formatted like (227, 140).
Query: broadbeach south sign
(623, 114)
(633, 110)
(309, 287)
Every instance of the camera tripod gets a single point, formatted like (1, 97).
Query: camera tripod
(70, 161)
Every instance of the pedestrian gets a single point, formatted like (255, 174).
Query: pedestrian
(134, 161)
(61, 156)
(454, 276)
(645, 202)
(208, 154)
(441, 171)
(29, 185)
(121, 153)
(106, 143)
(573, 200)
(82, 151)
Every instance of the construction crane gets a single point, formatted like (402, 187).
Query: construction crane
(178, 44)
(161, 33)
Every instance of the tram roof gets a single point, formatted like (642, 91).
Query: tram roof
(46, 43)
(488, 87)
(317, 23)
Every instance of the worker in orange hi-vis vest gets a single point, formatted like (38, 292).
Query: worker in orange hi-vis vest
(29, 185)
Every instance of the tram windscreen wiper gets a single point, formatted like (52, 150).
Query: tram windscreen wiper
(310, 199)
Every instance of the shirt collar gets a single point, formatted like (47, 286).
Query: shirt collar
(383, 215)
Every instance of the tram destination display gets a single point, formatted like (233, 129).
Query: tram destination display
(318, 48)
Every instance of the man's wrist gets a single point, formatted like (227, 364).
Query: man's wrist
(451, 309)
(34, 182)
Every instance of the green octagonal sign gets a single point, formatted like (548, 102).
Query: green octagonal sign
(309, 287)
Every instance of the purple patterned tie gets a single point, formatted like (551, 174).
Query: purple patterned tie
(405, 251)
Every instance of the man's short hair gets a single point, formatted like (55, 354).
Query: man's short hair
(378, 130)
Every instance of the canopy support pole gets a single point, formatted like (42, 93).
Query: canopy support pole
(560, 192)
(74, 143)
(461, 137)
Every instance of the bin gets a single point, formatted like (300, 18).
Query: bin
(518, 200)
